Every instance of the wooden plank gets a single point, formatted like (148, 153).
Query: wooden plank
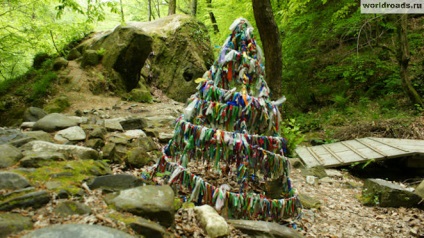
(358, 150)
(332, 153)
(377, 150)
(407, 144)
(307, 157)
(387, 143)
(387, 150)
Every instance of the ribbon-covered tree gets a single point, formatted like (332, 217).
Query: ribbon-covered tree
(231, 127)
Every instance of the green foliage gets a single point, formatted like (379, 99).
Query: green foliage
(101, 52)
(42, 85)
(290, 130)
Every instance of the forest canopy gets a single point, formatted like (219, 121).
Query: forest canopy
(332, 54)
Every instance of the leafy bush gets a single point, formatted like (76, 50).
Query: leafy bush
(292, 133)
(42, 86)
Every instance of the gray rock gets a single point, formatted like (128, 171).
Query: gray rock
(27, 125)
(148, 228)
(77, 231)
(10, 180)
(146, 143)
(135, 134)
(263, 229)
(40, 158)
(211, 221)
(161, 121)
(113, 124)
(22, 141)
(165, 137)
(39, 135)
(33, 114)
(34, 199)
(68, 208)
(98, 132)
(78, 152)
(9, 155)
(109, 152)
(12, 222)
(138, 157)
(420, 189)
(74, 133)
(387, 194)
(54, 122)
(152, 202)
(95, 143)
(133, 123)
(7, 135)
(115, 182)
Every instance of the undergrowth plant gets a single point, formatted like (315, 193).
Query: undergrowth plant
(291, 131)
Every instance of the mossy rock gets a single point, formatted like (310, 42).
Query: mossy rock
(141, 94)
(69, 175)
(60, 63)
(39, 60)
(309, 202)
(58, 104)
(73, 54)
(90, 58)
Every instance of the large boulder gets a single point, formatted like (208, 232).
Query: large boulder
(71, 151)
(170, 52)
(10, 180)
(387, 194)
(7, 135)
(55, 121)
(34, 199)
(13, 222)
(152, 202)
(9, 155)
(182, 52)
(34, 114)
(77, 231)
(115, 182)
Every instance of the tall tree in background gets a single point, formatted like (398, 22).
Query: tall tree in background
(194, 8)
(271, 42)
(172, 7)
(212, 17)
(149, 9)
(122, 12)
(403, 58)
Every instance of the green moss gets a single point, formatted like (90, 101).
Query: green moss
(70, 174)
(58, 104)
(140, 95)
(125, 218)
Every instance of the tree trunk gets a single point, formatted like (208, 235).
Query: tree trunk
(212, 17)
(157, 7)
(122, 12)
(172, 7)
(271, 42)
(149, 10)
(193, 7)
(403, 59)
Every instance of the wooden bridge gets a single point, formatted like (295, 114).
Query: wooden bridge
(359, 150)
